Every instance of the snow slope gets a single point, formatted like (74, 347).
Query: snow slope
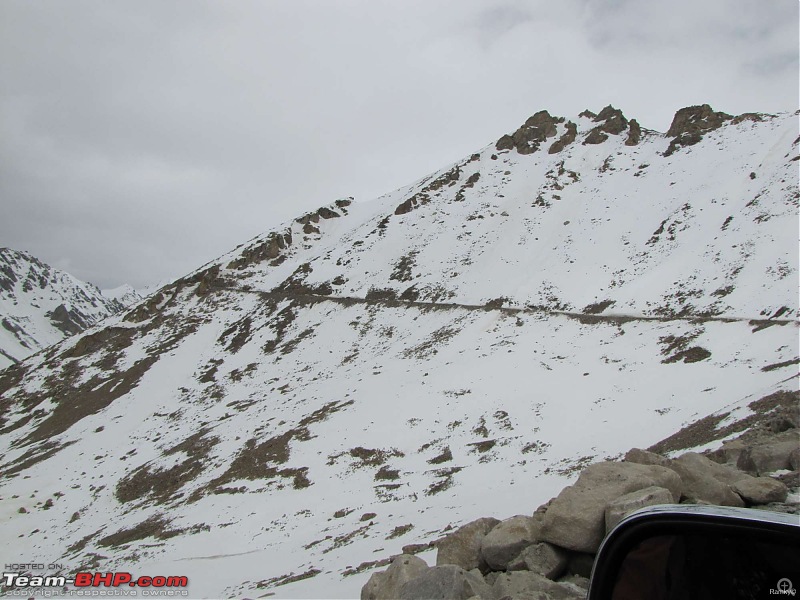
(40, 305)
(124, 294)
(375, 372)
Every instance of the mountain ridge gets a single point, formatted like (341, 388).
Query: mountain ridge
(332, 388)
(41, 305)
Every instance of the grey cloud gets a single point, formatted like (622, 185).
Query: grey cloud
(141, 139)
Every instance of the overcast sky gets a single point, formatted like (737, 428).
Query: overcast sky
(140, 139)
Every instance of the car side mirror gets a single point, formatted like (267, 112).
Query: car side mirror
(683, 552)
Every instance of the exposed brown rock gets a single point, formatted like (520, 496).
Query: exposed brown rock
(690, 123)
(634, 133)
(531, 134)
(596, 136)
(611, 120)
(565, 140)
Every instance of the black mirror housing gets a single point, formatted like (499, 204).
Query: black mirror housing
(682, 552)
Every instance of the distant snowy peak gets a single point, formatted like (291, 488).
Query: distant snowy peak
(124, 294)
(41, 305)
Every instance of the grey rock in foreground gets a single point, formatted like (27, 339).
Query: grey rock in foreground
(761, 490)
(385, 585)
(523, 585)
(772, 455)
(447, 582)
(463, 547)
(622, 506)
(576, 518)
(505, 541)
(705, 481)
(543, 559)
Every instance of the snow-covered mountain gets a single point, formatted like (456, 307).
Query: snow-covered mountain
(373, 373)
(40, 305)
(124, 294)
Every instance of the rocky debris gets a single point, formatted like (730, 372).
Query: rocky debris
(507, 539)
(463, 547)
(565, 140)
(634, 133)
(611, 120)
(528, 138)
(690, 123)
(551, 554)
(617, 509)
(576, 518)
(543, 559)
(385, 585)
(445, 582)
(526, 585)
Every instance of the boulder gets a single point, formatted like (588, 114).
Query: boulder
(541, 558)
(617, 509)
(447, 582)
(761, 490)
(645, 457)
(507, 539)
(731, 451)
(771, 455)
(794, 460)
(463, 547)
(385, 585)
(576, 518)
(705, 481)
(523, 585)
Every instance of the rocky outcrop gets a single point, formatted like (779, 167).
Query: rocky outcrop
(528, 138)
(690, 123)
(68, 321)
(550, 554)
(565, 140)
(611, 120)
(269, 249)
(634, 133)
